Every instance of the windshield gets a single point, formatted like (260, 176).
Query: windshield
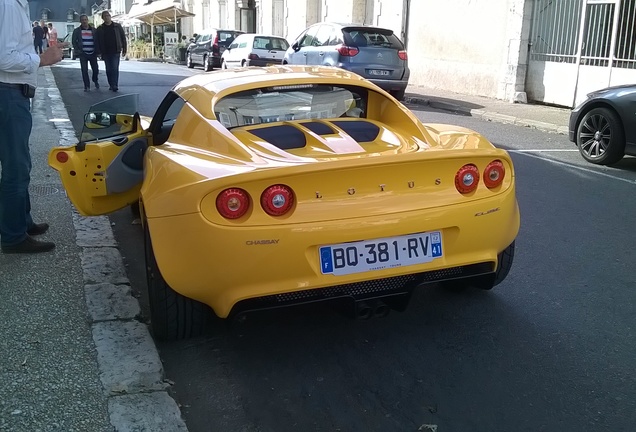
(293, 102)
(120, 105)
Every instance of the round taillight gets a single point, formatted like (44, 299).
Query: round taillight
(233, 203)
(494, 174)
(61, 157)
(277, 200)
(467, 178)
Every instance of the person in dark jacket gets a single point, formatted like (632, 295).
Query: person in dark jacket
(111, 43)
(85, 45)
(38, 37)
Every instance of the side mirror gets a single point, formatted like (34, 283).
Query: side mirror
(295, 46)
(99, 120)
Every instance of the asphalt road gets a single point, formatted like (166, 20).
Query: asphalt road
(553, 348)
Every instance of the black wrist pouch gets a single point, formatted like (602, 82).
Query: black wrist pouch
(28, 91)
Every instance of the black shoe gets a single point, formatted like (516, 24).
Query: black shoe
(38, 229)
(86, 89)
(29, 245)
(96, 85)
(115, 89)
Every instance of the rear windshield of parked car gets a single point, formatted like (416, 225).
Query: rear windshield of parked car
(291, 102)
(270, 43)
(362, 37)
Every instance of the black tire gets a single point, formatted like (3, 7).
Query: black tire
(172, 316)
(243, 63)
(207, 64)
(223, 64)
(398, 94)
(486, 282)
(189, 63)
(600, 137)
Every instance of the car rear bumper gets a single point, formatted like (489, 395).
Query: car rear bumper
(222, 266)
(263, 62)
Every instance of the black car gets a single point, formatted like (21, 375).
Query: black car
(374, 53)
(207, 48)
(604, 125)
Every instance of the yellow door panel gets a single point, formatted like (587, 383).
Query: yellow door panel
(103, 177)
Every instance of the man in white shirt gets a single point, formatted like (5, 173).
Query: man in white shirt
(18, 80)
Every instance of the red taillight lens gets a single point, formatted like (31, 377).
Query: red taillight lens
(252, 57)
(277, 200)
(61, 157)
(347, 51)
(467, 178)
(403, 55)
(216, 41)
(233, 203)
(494, 174)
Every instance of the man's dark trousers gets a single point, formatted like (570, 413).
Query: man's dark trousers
(85, 59)
(15, 158)
(111, 62)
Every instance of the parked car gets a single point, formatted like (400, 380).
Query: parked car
(254, 50)
(268, 187)
(67, 47)
(604, 125)
(374, 53)
(207, 48)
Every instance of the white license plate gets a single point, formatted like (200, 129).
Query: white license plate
(378, 254)
(379, 72)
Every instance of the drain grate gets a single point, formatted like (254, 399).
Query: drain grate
(42, 190)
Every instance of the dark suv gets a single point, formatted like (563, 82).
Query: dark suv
(372, 52)
(207, 48)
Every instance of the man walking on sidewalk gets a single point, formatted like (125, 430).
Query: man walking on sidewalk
(84, 41)
(111, 43)
(18, 79)
(38, 37)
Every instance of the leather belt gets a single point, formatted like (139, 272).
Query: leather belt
(12, 85)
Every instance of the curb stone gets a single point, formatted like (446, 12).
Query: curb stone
(130, 369)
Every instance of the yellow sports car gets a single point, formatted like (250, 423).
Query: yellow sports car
(267, 187)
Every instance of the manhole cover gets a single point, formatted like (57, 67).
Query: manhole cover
(42, 190)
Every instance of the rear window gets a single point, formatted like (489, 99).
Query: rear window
(361, 37)
(227, 36)
(291, 102)
(270, 43)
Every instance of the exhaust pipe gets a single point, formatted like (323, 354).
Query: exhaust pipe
(363, 310)
(380, 309)
(373, 308)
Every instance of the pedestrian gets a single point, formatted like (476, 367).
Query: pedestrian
(45, 39)
(111, 44)
(84, 43)
(18, 80)
(38, 37)
(52, 34)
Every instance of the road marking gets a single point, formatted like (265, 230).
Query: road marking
(587, 170)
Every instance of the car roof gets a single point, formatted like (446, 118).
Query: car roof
(202, 89)
(254, 35)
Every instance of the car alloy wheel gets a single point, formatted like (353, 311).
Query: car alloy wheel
(207, 64)
(600, 137)
(189, 63)
(172, 316)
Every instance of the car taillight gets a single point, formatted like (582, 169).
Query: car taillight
(347, 51)
(233, 203)
(216, 41)
(467, 179)
(403, 55)
(494, 174)
(253, 57)
(61, 157)
(277, 200)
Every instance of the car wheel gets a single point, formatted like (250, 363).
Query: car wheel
(172, 316)
(243, 63)
(600, 137)
(223, 65)
(189, 63)
(207, 64)
(398, 94)
(486, 282)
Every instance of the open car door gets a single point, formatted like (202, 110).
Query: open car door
(104, 171)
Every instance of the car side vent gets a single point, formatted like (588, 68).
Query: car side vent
(285, 137)
(361, 131)
(319, 128)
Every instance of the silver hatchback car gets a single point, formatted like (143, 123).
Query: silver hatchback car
(374, 53)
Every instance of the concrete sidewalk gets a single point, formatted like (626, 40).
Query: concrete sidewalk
(73, 355)
(542, 117)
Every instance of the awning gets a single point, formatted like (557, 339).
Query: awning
(126, 21)
(158, 12)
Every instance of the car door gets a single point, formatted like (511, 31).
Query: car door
(297, 53)
(104, 171)
(316, 55)
(202, 47)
